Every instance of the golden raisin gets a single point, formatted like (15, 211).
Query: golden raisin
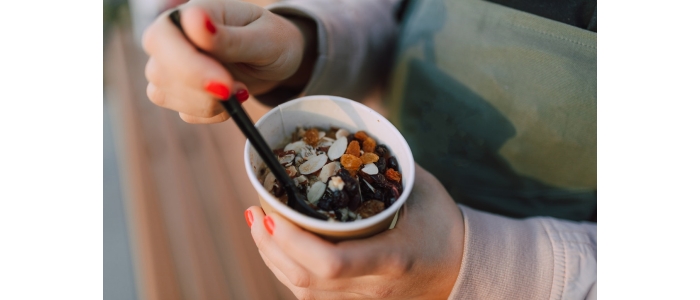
(350, 162)
(370, 208)
(369, 144)
(311, 137)
(369, 158)
(353, 149)
(361, 135)
(392, 174)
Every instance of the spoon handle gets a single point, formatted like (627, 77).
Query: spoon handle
(294, 199)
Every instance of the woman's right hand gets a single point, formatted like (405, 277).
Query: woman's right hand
(244, 48)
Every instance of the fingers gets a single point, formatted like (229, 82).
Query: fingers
(183, 79)
(295, 274)
(372, 256)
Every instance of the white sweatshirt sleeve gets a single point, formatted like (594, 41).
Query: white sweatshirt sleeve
(355, 43)
(534, 258)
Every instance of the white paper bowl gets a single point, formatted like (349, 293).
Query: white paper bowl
(325, 111)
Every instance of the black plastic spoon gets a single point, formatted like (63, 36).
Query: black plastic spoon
(295, 199)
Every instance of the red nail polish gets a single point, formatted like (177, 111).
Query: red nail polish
(269, 224)
(242, 95)
(210, 26)
(249, 217)
(218, 89)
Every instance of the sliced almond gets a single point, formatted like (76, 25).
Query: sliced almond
(301, 180)
(316, 191)
(330, 169)
(370, 169)
(287, 159)
(269, 182)
(296, 146)
(341, 133)
(325, 142)
(313, 164)
(306, 152)
(321, 134)
(338, 148)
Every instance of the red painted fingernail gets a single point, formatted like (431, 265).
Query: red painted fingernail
(249, 217)
(218, 89)
(269, 224)
(242, 95)
(210, 26)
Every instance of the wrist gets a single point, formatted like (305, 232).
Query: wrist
(300, 78)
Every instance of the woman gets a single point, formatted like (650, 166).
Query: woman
(497, 100)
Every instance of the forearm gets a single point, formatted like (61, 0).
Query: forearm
(536, 258)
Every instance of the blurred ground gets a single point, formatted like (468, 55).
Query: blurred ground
(118, 277)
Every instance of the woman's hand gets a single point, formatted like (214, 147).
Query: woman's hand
(418, 259)
(244, 48)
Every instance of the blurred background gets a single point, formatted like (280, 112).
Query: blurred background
(174, 193)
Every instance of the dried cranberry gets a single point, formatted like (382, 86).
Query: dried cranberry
(392, 163)
(279, 152)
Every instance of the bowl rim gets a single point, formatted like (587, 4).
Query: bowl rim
(307, 221)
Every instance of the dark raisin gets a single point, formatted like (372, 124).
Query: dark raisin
(325, 201)
(392, 163)
(381, 165)
(355, 202)
(340, 199)
(381, 151)
(338, 215)
(366, 177)
(350, 182)
(380, 181)
(350, 138)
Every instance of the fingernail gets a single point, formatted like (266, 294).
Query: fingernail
(269, 224)
(218, 89)
(210, 26)
(249, 217)
(242, 95)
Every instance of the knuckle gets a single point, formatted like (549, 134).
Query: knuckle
(333, 268)
(210, 110)
(155, 95)
(382, 292)
(148, 40)
(151, 71)
(397, 264)
(300, 279)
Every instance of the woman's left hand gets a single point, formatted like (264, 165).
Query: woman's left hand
(418, 259)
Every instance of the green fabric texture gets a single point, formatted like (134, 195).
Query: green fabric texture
(500, 105)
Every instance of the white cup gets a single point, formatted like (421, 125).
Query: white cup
(277, 126)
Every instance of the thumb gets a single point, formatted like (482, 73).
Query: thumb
(240, 39)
